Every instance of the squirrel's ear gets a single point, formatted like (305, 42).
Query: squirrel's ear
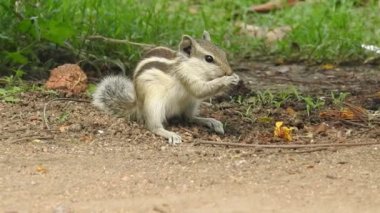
(206, 36)
(186, 45)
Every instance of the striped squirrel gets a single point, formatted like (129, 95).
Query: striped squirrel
(168, 83)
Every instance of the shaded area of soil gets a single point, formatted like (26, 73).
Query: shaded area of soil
(93, 161)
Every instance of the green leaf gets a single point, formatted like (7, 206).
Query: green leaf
(15, 90)
(90, 89)
(25, 25)
(19, 73)
(2, 92)
(56, 32)
(17, 57)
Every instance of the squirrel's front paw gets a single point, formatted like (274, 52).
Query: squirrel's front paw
(232, 79)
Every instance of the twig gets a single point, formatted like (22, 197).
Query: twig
(118, 41)
(31, 138)
(20, 136)
(46, 122)
(295, 146)
(310, 150)
(354, 123)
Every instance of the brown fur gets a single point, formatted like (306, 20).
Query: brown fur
(162, 52)
(164, 67)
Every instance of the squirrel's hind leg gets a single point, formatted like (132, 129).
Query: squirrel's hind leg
(154, 116)
(191, 115)
(211, 123)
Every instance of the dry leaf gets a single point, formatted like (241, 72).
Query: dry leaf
(270, 35)
(68, 78)
(347, 113)
(291, 112)
(321, 128)
(194, 9)
(86, 138)
(264, 119)
(214, 137)
(41, 169)
(284, 132)
(328, 66)
(63, 129)
(272, 5)
(277, 34)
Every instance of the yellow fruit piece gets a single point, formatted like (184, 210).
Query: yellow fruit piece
(284, 132)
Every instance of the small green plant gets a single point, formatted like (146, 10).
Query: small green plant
(90, 89)
(265, 98)
(64, 116)
(9, 95)
(339, 98)
(312, 103)
(271, 99)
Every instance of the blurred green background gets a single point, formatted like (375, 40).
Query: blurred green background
(37, 35)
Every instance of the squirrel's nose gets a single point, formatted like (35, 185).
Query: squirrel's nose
(228, 71)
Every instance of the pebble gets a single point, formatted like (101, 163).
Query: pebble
(75, 127)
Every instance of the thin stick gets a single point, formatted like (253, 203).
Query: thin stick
(46, 122)
(354, 123)
(31, 138)
(310, 150)
(21, 136)
(118, 41)
(295, 146)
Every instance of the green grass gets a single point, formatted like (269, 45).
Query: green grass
(37, 35)
(289, 97)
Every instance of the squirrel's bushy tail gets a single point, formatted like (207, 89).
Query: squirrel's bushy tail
(116, 95)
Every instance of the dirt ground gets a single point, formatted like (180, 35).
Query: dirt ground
(92, 162)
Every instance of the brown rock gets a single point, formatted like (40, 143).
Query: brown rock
(67, 78)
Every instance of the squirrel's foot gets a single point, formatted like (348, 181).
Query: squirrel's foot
(216, 125)
(211, 123)
(172, 137)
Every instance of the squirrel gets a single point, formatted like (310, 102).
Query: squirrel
(168, 83)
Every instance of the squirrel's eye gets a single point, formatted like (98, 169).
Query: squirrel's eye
(209, 58)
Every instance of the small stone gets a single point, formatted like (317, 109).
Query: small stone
(75, 127)
(283, 69)
(61, 208)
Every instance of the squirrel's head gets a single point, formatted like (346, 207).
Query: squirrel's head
(203, 57)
